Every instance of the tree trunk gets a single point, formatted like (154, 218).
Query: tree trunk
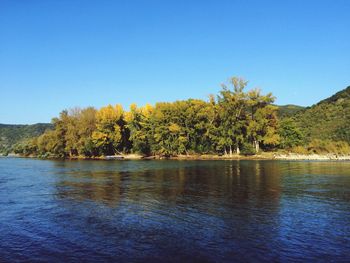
(257, 148)
(230, 151)
(225, 151)
(238, 151)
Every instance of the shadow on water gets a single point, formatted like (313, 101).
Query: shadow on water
(175, 211)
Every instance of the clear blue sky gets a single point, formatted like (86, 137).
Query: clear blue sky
(65, 53)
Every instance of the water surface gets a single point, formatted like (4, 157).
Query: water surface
(174, 211)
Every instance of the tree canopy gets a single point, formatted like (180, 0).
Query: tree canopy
(236, 120)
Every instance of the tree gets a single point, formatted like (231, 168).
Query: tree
(86, 124)
(138, 123)
(167, 133)
(109, 129)
(232, 106)
(262, 119)
(290, 134)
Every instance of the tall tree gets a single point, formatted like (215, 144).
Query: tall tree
(232, 104)
(262, 119)
(138, 123)
(109, 129)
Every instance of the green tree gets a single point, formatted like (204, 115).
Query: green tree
(262, 119)
(290, 134)
(138, 123)
(232, 104)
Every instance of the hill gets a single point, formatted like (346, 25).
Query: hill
(12, 134)
(288, 110)
(329, 119)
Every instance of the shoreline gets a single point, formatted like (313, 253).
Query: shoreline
(319, 157)
(262, 156)
(268, 156)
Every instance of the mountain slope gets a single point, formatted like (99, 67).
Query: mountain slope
(288, 110)
(328, 119)
(12, 134)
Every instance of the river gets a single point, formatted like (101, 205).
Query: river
(174, 211)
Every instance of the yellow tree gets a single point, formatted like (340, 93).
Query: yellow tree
(137, 122)
(108, 134)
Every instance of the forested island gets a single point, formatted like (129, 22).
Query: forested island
(235, 122)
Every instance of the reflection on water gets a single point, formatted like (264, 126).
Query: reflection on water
(182, 184)
(174, 210)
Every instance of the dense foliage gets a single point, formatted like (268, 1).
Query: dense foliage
(221, 125)
(234, 122)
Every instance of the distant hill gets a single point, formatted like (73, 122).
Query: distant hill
(288, 110)
(12, 134)
(328, 119)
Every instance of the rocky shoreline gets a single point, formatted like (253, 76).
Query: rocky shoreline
(268, 156)
(294, 156)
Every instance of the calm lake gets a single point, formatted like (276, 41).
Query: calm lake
(174, 211)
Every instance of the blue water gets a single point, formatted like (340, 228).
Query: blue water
(174, 211)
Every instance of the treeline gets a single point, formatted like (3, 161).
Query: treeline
(233, 122)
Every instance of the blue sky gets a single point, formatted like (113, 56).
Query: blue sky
(61, 54)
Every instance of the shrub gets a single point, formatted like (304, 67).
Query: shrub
(328, 146)
(247, 149)
(299, 150)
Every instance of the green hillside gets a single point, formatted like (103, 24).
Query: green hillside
(288, 110)
(12, 134)
(328, 119)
